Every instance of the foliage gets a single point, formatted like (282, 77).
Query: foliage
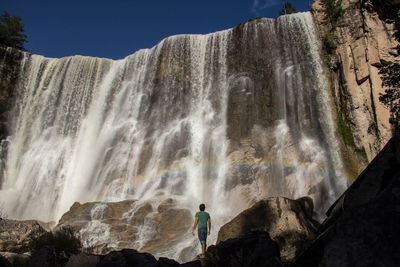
(63, 241)
(11, 31)
(373, 127)
(256, 18)
(329, 43)
(287, 8)
(391, 98)
(333, 10)
(345, 131)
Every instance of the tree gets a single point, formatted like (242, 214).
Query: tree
(11, 31)
(391, 98)
(287, 8)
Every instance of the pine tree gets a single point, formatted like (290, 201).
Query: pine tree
(11, 31)
(287, 8)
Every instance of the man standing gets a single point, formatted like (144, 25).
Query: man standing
(202, 218)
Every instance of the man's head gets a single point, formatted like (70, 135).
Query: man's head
(202, 207)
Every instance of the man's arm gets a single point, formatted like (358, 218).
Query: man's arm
(195, 224)
(209, 226)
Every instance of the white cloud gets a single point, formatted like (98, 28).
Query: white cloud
(263, 4)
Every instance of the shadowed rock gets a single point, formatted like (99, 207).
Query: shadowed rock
(255, 248)
(15, 236)
(289, 222)
(363, 225)
(13, 259)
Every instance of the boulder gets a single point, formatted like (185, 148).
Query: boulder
(127, 257)
(289, 223)
(148, 226)
(13, 259)
(255, 248)
(362, 228)
(48, 257)
(15, 236)
(83, 259)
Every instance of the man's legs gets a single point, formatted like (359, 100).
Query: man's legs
(202, 232)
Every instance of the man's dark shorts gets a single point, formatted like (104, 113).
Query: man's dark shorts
(202, 232)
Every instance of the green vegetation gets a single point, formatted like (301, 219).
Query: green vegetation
(333, 10)
(391, 98)
(345, 130)
(11, 31)
(329, 43)
(287, 8)
(63, 241)
(373, 127)
(256, 18)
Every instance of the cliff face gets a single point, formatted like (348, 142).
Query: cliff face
(10, 62)
(365, 39)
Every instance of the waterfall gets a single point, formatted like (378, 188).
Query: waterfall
(225, 118)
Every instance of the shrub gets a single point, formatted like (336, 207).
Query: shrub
(63, 241)
(329, 43)
(391, 98)
(288, 8)
(333, 10)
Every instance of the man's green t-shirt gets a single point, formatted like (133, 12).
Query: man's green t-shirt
(203, 218)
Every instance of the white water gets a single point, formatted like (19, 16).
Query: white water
(154, 126)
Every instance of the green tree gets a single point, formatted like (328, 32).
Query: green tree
(287, 8)
(11, 31)
(391, 98)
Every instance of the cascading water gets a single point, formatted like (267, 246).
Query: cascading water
(162, 123)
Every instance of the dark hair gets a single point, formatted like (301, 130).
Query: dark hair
(202, 207)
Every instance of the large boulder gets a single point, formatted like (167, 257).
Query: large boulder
(13, 259)
(131, 257)
(255, 248)
(15, 236)
(151, 227)
(289, 222)
(363, 225)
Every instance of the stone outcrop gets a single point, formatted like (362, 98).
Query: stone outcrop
(365, 39)
(15, 236)
(363, 225)
(255, 248)
(289, 223)
(103, 227)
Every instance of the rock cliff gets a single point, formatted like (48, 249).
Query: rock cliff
(358, 39)
(10, 63)
(362, 227)
(288, 222)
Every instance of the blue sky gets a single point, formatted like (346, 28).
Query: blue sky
(115, 29)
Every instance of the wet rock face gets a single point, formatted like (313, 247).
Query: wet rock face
(255, 248)
(10, 62)
(15, 236)
(289, 223)
(103, 227)
(362, 227)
